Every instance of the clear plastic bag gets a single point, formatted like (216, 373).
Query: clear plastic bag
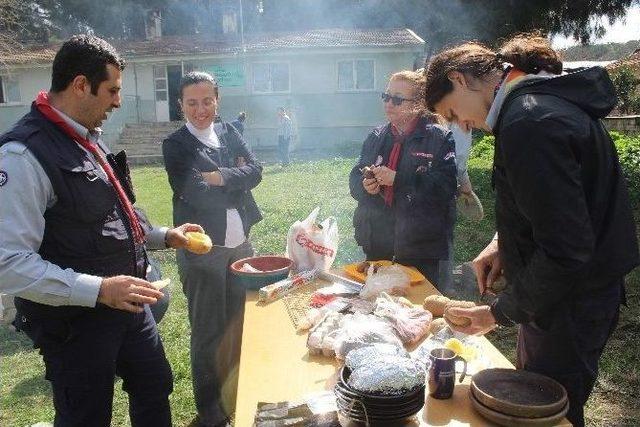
(391, 279)
(410, 323)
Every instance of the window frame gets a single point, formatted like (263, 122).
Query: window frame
(270, 91)
(166, 83)
(354, 75)
(3, 82)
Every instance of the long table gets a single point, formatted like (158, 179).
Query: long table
(275, 367)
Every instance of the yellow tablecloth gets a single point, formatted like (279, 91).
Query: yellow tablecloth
(275, 367)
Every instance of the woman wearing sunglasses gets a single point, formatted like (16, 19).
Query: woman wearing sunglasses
(566, 235)
(405, 184)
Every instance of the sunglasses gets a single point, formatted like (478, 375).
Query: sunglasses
(395, 100)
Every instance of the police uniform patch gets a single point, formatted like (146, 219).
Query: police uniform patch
(3, 178)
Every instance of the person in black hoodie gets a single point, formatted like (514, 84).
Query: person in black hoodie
(566, 235)
(211, 172)
(406, 195)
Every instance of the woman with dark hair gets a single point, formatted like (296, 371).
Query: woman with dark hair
(211, 172)
(566, 235)
(405, 184)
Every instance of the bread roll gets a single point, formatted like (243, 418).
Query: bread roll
(437, 325)
(457, 320)
(436, 304)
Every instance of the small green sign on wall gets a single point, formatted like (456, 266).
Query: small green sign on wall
(228, 75)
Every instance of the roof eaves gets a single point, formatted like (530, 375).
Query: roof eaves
(414, 35)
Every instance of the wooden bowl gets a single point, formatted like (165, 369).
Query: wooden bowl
(518, 393)
(511, 421)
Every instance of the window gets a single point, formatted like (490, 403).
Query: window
(160, 82)
(356, 75)
(229, 22)
(9, 90)
(271, 77)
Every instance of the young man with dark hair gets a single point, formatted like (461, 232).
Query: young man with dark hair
(72, 247)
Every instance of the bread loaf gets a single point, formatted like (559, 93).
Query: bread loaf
(436, 304)
(457, 320)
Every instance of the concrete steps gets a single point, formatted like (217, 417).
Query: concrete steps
(143, 144)
(142, 141)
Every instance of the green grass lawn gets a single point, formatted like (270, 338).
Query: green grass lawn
(284, 196)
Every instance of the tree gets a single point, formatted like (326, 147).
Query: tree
(20, 21)
(122, 19)
(439, 22)
(442, 22)
(626, 84)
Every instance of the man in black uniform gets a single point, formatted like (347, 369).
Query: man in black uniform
(72, 247)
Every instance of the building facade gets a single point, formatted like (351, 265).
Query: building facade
(329, 80)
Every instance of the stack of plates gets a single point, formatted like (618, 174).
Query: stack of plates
(518, 398)
(378, 409)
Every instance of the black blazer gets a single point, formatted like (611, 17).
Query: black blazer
(194, 200)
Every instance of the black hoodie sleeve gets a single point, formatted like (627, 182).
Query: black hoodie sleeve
(545, 179)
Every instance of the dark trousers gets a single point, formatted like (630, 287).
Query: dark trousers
(82, 356)
(216, 314)
(283, 150)
(568, 343)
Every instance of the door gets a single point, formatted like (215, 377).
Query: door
(174, 74)
(161, 91)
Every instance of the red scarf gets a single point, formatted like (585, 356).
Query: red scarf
(43, 105)
(394, 157)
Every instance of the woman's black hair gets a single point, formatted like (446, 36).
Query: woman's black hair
(195, 77)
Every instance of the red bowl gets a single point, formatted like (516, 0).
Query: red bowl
(273, 268)
(267, 264)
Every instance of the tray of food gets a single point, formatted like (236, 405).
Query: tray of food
(358, 271)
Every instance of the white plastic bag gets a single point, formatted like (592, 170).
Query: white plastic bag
(311, 245)
(391, 279)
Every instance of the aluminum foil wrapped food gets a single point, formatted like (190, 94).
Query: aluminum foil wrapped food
(389, 376)
(362, 330)
(363, 355)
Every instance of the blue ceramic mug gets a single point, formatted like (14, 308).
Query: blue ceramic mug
(442, 372)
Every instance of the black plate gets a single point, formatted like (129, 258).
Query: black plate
(419, 399)
(376, 420)
(383, 412)
(395, 399)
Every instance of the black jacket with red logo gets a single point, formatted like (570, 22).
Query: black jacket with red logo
(422, 215)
